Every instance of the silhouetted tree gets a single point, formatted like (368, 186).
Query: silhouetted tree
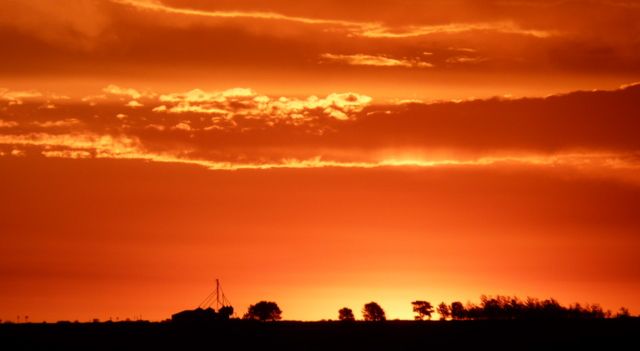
(264, 311)
(457, 310)
(373, 312)
(472, 311)
(490, 307)
(596, 311)
(623, 313)
(422, 309)
(346, 314)
(575, 311)
(225, 312)
(444, 311)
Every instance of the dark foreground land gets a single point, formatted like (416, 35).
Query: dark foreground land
(610, 334)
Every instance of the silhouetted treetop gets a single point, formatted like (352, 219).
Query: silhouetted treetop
(623, 313)
(264, 311)
(506, 307)
(457, 310)
(444, 311)
(346, 314)
(225, 312)
(373, 312)
(422, 309)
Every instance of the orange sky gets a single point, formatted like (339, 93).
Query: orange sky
(319, 154)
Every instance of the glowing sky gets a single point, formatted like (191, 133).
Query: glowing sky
(320, 154)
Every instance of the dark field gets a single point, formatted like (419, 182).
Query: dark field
(392, 335)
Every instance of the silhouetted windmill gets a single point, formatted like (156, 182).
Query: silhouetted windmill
(216, 297)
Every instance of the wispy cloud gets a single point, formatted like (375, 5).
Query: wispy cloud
(381, 31)
(63, 123)
(17, 97)
(119, 91)
(153, 5)
(124, 147)
(374, 60)
(245, 103)
(134, 104)
(466, 59)
(108, 146)
(8, 124)
(364, 29)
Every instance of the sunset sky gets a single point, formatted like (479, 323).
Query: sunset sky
(318, 153)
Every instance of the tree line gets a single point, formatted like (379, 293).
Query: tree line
(490, 308)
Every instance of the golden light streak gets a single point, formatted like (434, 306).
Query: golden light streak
(417, 31)
(158, 6)
(123, 147)
(373, 60)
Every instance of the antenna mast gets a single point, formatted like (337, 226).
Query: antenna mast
(217, 294)
(220, 299)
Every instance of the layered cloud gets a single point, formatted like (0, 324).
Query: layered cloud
(286, 47)
(242, 129)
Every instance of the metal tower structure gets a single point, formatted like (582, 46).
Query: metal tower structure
(216, 298)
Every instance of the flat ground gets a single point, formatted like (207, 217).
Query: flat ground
(391, 335)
